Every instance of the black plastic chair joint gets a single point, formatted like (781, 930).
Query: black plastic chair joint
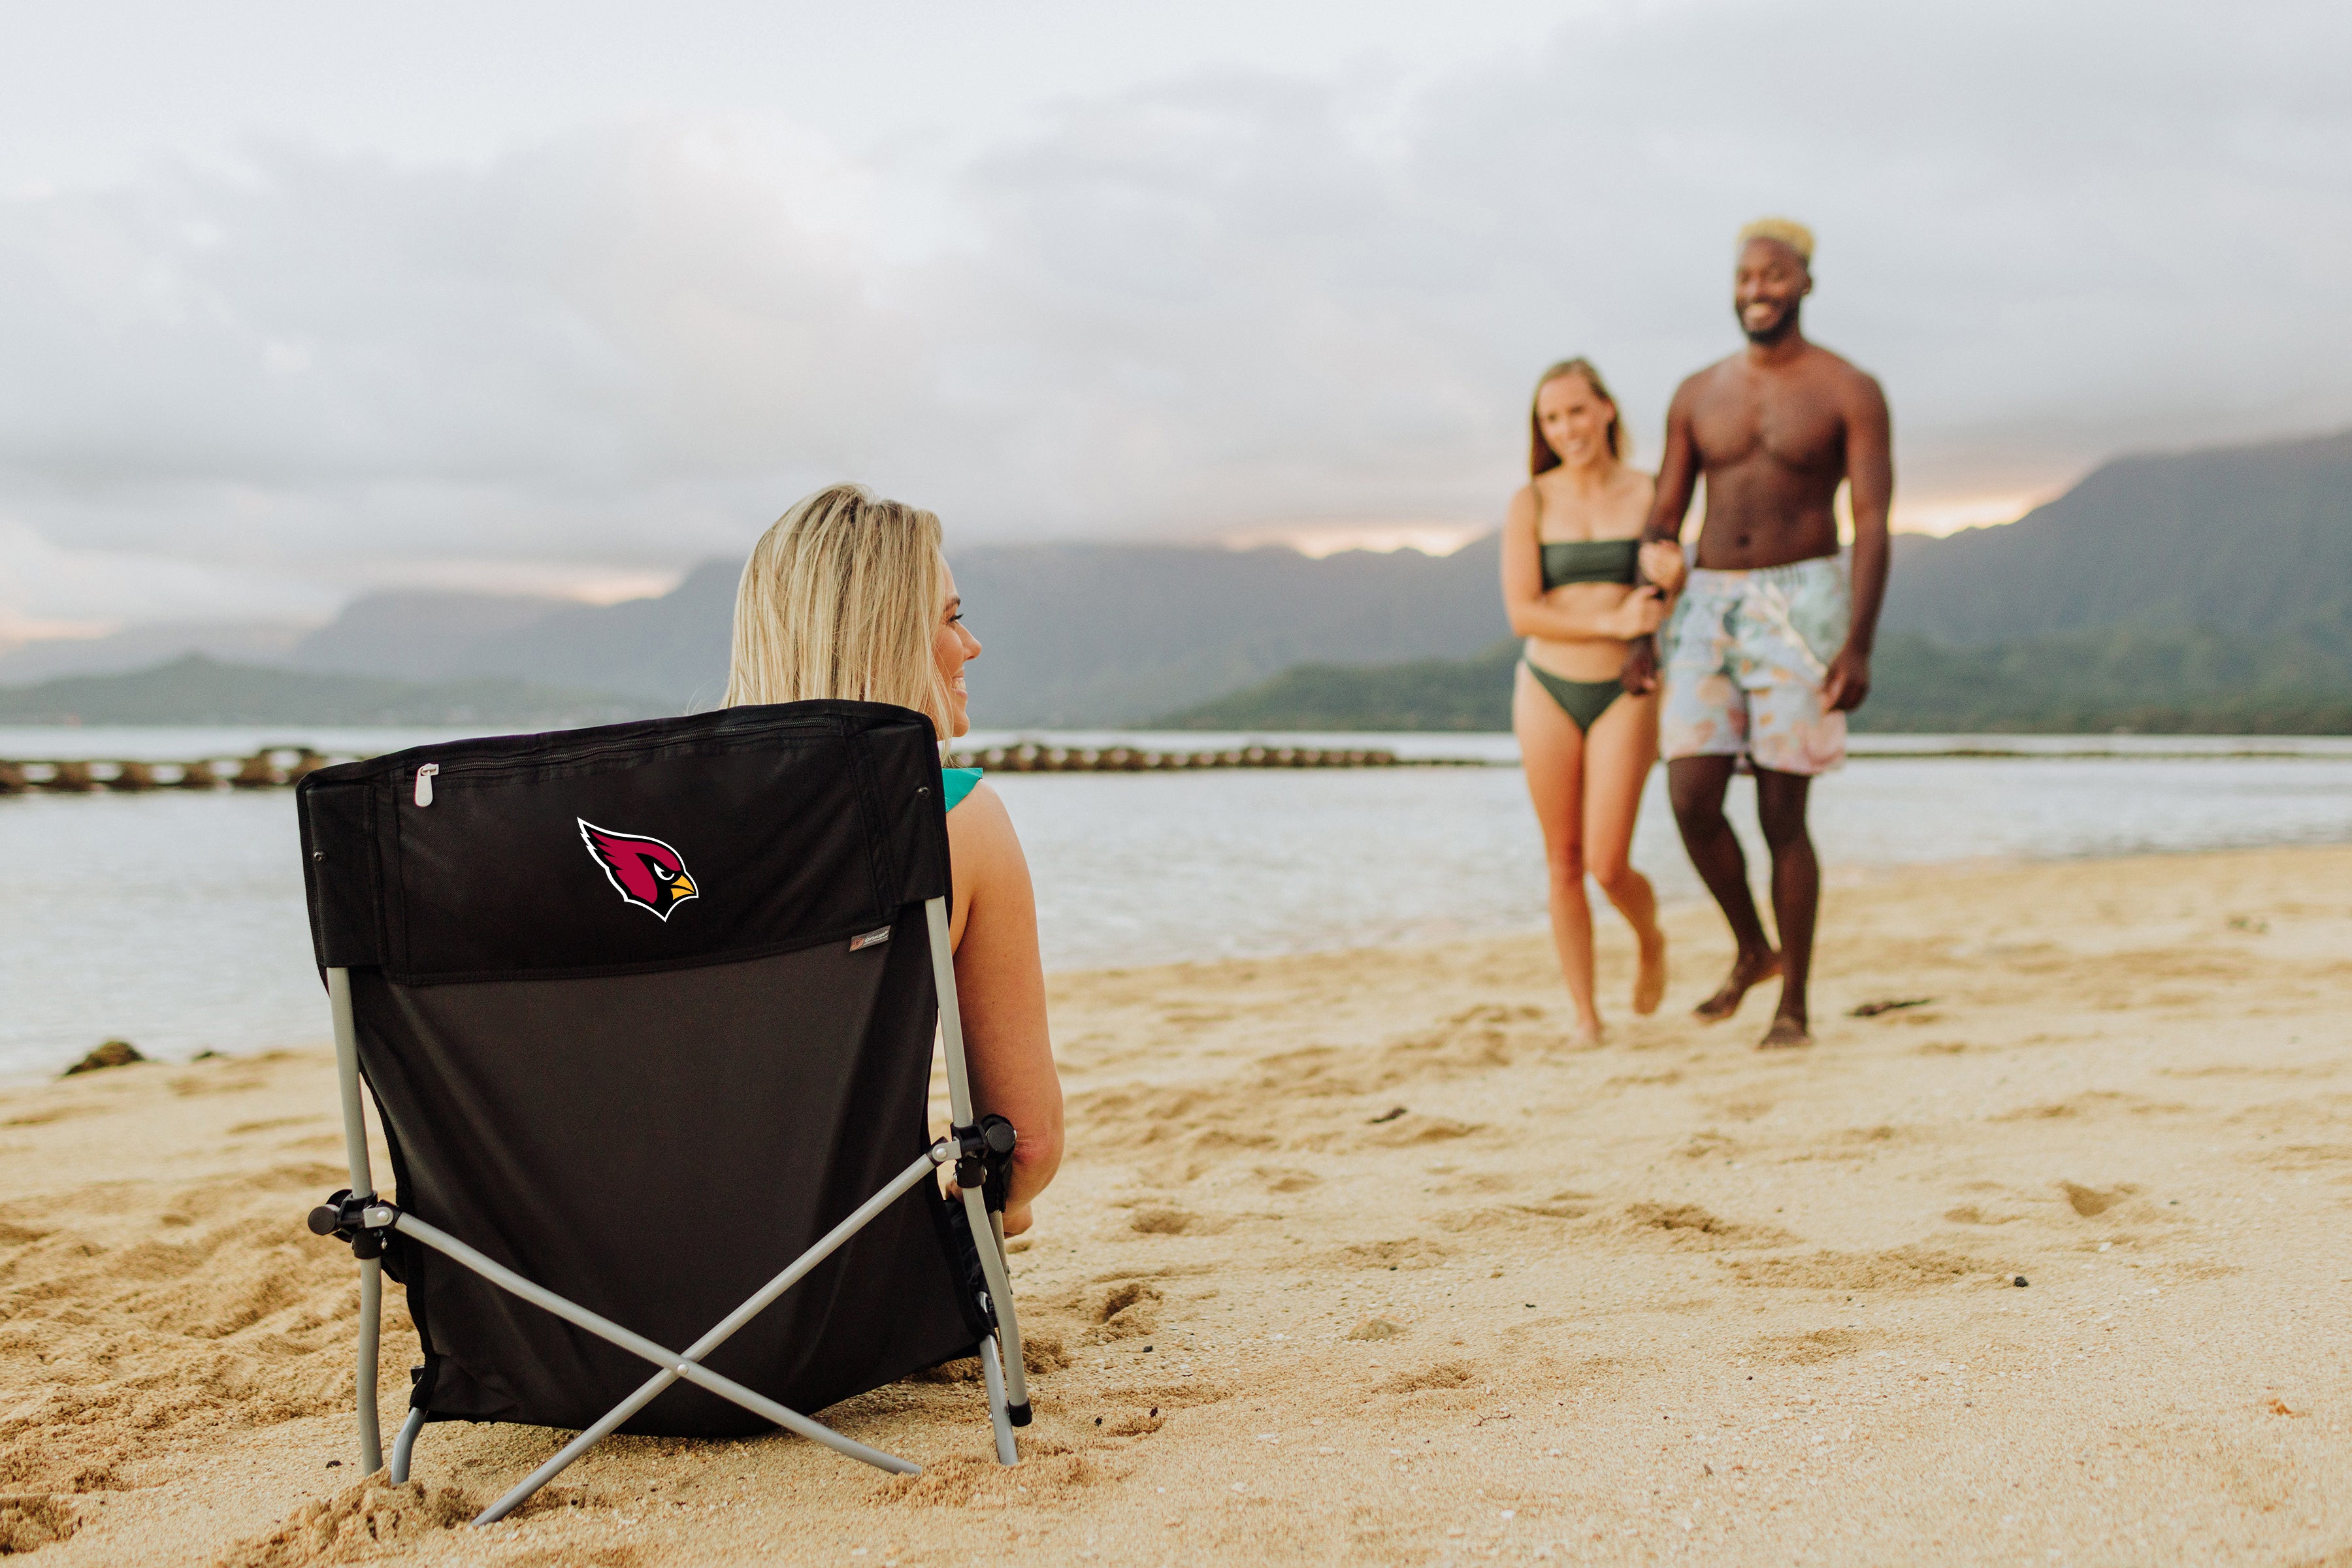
(364, 1221)
(984, 1160)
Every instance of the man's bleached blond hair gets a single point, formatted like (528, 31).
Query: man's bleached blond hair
(842, 598)
(1788, 231)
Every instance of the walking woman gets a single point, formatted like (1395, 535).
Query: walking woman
(1571, 548)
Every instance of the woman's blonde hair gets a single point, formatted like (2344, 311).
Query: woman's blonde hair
(841, 598)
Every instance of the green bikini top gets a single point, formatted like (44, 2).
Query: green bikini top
(1591, 560)
(957, 783)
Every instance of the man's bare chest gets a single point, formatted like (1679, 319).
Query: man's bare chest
(1789, 426)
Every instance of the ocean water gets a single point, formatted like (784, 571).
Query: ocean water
(177, 921)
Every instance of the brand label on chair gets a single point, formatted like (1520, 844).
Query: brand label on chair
(645, 871)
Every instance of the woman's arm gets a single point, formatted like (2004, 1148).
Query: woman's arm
(1000, 986)
(1532, 616)
(1661, 552)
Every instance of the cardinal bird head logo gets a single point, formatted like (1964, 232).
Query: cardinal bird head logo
(646, 871)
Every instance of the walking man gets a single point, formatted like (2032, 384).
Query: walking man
(1767, 648)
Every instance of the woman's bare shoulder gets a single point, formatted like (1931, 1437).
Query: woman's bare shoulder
(980, 834)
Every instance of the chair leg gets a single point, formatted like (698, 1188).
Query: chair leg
(355, 1151)
(1017, 1363)
(992, 1367)
(987, 1229)
(371, 1323)
(404, 1445)
(988, 1240)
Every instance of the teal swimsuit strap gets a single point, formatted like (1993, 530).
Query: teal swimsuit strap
(959, 783)
(1582, 700)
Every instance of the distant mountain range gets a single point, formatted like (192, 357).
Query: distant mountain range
(2230, 570)
(2145, 680)
(145, 646)
(2254, 540)
(1072, 634)
(2201, 592)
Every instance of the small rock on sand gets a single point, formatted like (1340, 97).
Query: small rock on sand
(113, 1054)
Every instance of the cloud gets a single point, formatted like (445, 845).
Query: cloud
(557, 353)
(46, 591)
(2052, 236)
(1222, 303)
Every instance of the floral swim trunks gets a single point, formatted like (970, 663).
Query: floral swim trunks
(1746, 654)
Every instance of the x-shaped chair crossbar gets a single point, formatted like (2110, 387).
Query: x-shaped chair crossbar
(360, 1217)
(377, 1217)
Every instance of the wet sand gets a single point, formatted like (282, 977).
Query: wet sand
(1352, 1261)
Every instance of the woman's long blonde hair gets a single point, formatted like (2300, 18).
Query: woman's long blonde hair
(840, 598)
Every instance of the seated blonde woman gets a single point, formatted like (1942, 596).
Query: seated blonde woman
(848, 596)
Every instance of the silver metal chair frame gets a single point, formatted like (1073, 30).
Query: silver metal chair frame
(1008, 1391)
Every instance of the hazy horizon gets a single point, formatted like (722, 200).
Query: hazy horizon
(1314, 540)
(565, 300)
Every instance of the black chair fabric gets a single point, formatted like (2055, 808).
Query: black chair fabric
(620, 1001)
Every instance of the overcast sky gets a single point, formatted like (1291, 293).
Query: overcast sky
(296, 299)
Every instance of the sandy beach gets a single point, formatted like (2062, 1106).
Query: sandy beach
(1351, 1261)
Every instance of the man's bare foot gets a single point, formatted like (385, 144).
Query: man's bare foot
(1785, 1034)
(1586, 1037)
(1650, 985)
(1746, 973)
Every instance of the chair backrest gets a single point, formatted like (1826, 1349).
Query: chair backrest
(645, 1010)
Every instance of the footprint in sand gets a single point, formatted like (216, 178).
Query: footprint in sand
(1459, 1181)
(1135, 1425)
(1443, 1376)
(2090, 1202)
(1566, 1204)
(43, 1117)
(1708, 1144)
(1688, 1227)
(1412, 1252)
(1161, 1219)
(1910, 1267)
(1409, 1130)
(1813, 1348)
(1120, 1310)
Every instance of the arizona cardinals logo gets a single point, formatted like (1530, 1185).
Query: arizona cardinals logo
(646, 871)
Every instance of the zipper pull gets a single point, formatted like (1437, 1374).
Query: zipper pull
(425, 783)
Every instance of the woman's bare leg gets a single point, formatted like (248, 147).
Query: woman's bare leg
(1618, 754)
(1551, 749)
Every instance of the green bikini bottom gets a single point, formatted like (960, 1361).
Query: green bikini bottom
(1582, 700)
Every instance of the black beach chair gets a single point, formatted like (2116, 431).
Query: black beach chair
(647, 1014)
